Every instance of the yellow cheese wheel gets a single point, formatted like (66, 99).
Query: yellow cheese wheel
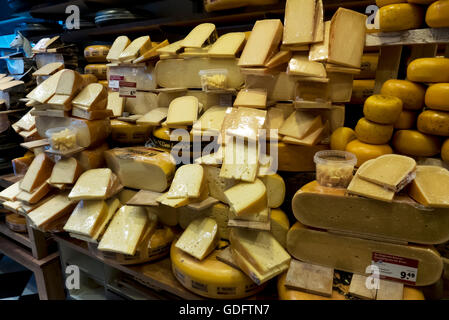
(373, 133)
(365, 152)
(341, 137)
(429, 70)
(445, 151)
(400, 16)
(421, 1)
(368, 66)
(437, 96)
(88, 79)
(411, 94)
(416, 144)
(98, 70)
(124, 132)
(16, 222)
(382, 3)
(406, 120)
(382, 109)
(361, 90)
(437, 14)
(96, 53)
(434, 122)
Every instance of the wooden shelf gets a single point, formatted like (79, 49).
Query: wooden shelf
(8, 180)
(408, 37)
(19, 237)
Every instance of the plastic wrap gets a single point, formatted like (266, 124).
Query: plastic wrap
(213, 79)
(246, 122)
(312, 91)
(62, 139)
(279, 87)
(187, 183)
(334, 168)
(96, 184)
(86, 217)
(301, 66)
(142, 75)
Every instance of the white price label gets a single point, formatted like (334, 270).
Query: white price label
(396, 268)
(114, 82)
(128, 89)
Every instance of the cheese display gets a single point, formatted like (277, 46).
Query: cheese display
(430, 186)
(429, 70)
(400, 16)
(95, 184)
(415, 143)
(66, 171)
(200, 238)
(434, 122)
(119, 45)
(437, 14)
(373, 133)
(38, 172)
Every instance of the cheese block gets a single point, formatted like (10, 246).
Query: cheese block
(60, 102)
(92, 158)
(340, 86)
(411, 94)
(245, 124)
(95, 184)
(279, 59)
(445, 151)
(299, 22)
(211, 119)
(260, 249)
(294, 158)
(86, 217)
(36, 195)
(262, 43)
(437, 97)
(415, 143)
(113, 205)
(125, 132)
(115, 103)
(258, 220)
(373, 133)
(341, 137)
(300, 124)
(66, 171)
(320, 51)
(279, 226)
(217, 186)
(142, 103)
(400, 16)
(275, 120)
(200, 238)
(187, 183)
(437, 14)
(183, 111)
(126, 194)
(171, 49)
(183, 73)
(152, 53)
(245, 198)
(118, 46)
(344, 50)
(280, 87)
(135, 49)
(70, 83)
(92, 97)
(51, 210)
(318, 28)
(309, 140)
(10, 193)
(91, 115)
(153, 117)
(275, 186)
(430, 187)
(44, 91)
(202, 34)
(174, 203)
(49, 69)
(251, 98)
(429, 70)
(20, 165)
(240, 161)
(96, 53)
(434, 122)
(382, 109)
(364, 151)
(39, 171)
(300, 65)
(406, 120)
(125, 230)
(355, 254)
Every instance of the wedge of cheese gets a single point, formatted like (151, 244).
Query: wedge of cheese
(60, 102)
(227, 46)
(172, 48)
(135, 49)
(246, 123)
(36, 195)
(217, 186)
(142, 103)
(174, 203)
(187, 183)
(49, 69)
(299, 22)
(86, 217)
(134, 165)
(10, 193)
(211, 119)
(92, 158)
(430, 187)
(278, 59)
(38, 172)
(300, 124)
(320, 51)
(247, 198)
(152, 53)
(92, 97)
(125, 230)
(96, 184)
(44, 91)
(153, 117)
(118, 46)
(300, 65)
(200, 238)
(240, 162)
(275, 186)
(203, 34)
(51, 210)
(251, 98)
(115, 103)
(183, 111)
(113, 205)
(66, 171)
(70, 83)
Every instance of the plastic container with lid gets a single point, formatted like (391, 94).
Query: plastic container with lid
(62, 138)
(334, 168)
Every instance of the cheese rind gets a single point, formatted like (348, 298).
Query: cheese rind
(429, 70)
(400, 16)
(382, 109)
(135, 49)
(279, 226)
(246, 198)
(434, 122)
(341, 137)
(200, 238)
(415, 143)
(38, 172)
(373, 133)
(430, 187)
(275, 186)
(437, 97)
(437, 14)
(410, 93)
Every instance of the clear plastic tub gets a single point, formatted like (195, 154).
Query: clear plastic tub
(62, 138)
(334, 168)
(214, 79)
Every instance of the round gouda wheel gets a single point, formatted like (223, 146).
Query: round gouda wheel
(361, 90)
(96, 53)
(434, 122)
(411, 94)
(365, 151)
(437, 97)
(429, 70)
(437, 15)
(406, 120)
(445, 151)
(382, 109)
(98, 70)
(382, 3)
(373, 133)
(341, 137)
(415, 143)
(421, 1)
(400, 16)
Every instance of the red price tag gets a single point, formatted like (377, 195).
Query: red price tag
(128, 89)
(396, 268)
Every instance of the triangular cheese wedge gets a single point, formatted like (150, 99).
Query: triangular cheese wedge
(431, 186)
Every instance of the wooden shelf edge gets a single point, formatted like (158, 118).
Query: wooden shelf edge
(408, 37)
(19, 237)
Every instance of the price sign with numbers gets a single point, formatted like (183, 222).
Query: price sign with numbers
(396, 268)
(128, 89)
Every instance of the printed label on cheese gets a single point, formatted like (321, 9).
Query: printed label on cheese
(127, 89)
(114, 82)
(396, 268)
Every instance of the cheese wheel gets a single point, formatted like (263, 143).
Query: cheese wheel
(416, 144)
(437, 97)
(429, 70)
(16, 222)
(368, 66)
(406, 120)
(421, 1)
(96, 53)
(124, 132)
(98, 70)
(434, 122)
(361, 90)
(341, 137)
(400, 16)
(365, 152)
(373, 133)
(437, 14)
(382, 109)
(382, 3)
(445, 151)
(285, 293)
(411, 94)
(211, 278)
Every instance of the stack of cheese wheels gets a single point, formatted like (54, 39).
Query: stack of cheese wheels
(437, 14)
(96, 56)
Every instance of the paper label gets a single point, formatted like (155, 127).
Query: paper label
(396, 268)
(127, 89)
(114, 82)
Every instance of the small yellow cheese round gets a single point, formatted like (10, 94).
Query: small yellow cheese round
(99, 70)
(445, 151)
(427, 2)
(429, 70)
(373, 133)
(437, 15)
(437, 97)
(434, 122)
(382, 3)
(406, 120)
(365, 152)
(411, 94)
(400, 16)
(96, 53)
(341, 137)
(382, 109)
(415, 143)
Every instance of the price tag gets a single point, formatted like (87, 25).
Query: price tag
(114, 82)
(128, 89)
(396, 268)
